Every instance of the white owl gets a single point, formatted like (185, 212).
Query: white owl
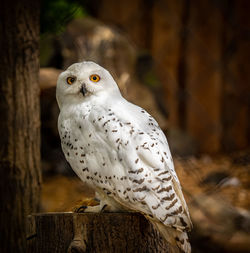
(118, 149)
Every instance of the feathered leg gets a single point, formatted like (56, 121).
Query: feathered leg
(174, 237)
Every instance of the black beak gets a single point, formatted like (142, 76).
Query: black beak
(83, 90)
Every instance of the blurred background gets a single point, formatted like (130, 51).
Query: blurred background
(187, 63)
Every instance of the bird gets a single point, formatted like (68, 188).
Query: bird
(119, 150)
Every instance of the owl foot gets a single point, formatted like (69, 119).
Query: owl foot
(91, 209)
(88, 209)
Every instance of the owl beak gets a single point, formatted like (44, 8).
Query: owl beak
(83, 90)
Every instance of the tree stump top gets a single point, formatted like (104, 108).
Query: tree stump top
(92, 232)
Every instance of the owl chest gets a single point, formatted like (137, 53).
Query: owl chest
(76, 136)
(82, 143)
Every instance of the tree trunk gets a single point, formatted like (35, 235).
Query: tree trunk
(20, 120)
(93, 232)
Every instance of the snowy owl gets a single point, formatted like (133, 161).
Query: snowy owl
(119, 150)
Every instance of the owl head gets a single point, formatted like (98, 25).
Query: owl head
(83, 82)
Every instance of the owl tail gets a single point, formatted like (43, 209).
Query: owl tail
(178, 240)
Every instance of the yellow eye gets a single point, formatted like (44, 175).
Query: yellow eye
(70, 80)
(94, 78)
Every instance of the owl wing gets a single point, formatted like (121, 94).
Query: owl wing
(163, 194)
(154, 188)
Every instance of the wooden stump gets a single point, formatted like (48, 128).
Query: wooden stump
(92, 232)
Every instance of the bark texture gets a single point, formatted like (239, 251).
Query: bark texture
(93, 232)
(20, 120)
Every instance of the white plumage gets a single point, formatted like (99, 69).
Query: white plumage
(118, 149)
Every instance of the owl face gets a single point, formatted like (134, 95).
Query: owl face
(84, 81)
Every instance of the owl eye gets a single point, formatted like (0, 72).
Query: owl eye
(70, 80)
(94, 78)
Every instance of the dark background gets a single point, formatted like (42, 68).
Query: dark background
(186, 62)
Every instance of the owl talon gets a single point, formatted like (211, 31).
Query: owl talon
(103, 208)
(81, 209)
(88, 209)
(92, 209)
